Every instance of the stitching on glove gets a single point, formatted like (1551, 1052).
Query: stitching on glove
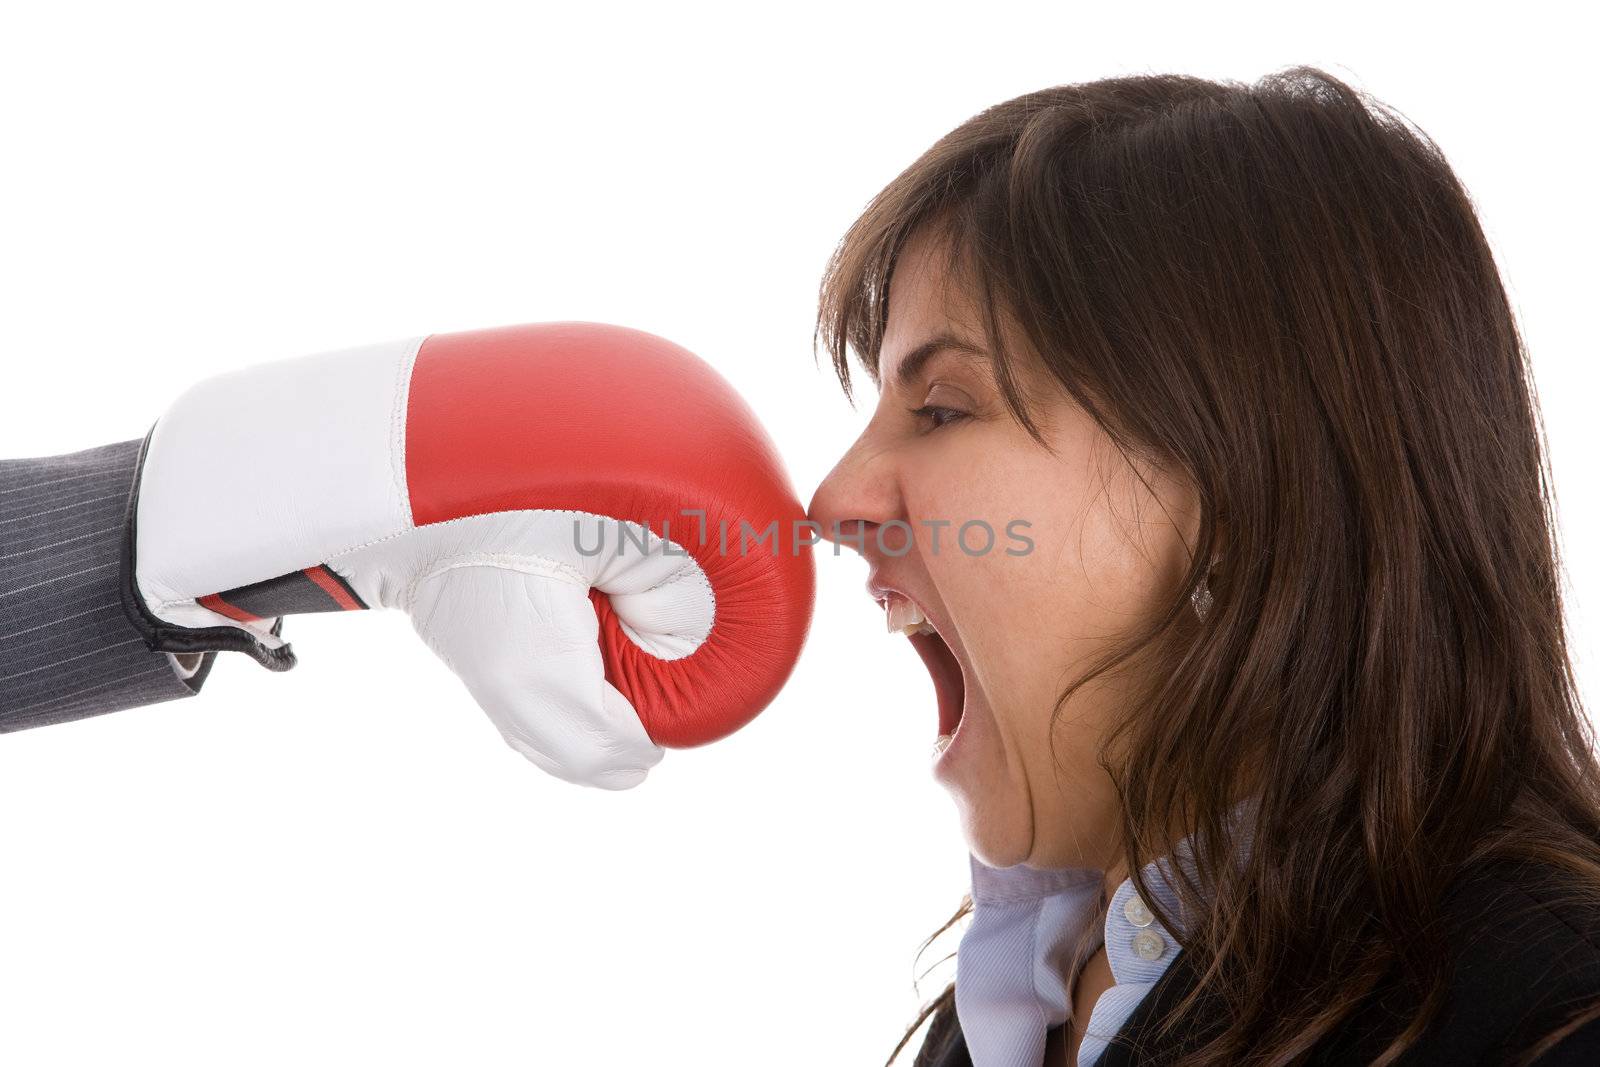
(688, 570)
(397, 430)
(538, 566)
(482, 514)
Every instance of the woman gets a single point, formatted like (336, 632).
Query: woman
(1261, 727)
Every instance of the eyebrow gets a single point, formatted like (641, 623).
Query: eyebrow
(919, 356)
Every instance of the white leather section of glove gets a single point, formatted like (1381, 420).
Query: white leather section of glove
(503, 600)
(661, 596)
(527, 647)
(310, 448)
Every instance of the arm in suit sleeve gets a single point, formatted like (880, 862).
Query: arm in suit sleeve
(67, 649)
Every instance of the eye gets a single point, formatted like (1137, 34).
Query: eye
(938, 416)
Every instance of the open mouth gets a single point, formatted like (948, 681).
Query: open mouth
(948, 682)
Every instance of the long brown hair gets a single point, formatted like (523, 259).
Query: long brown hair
(1282, 291)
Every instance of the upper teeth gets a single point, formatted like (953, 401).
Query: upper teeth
(906, 618)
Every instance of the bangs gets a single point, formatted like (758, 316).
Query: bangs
(972, 229)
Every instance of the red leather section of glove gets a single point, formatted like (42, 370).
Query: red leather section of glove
(619, 422)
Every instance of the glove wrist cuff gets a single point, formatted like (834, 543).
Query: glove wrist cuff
(162, 636)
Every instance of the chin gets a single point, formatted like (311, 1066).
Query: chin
(995, 834)
(970, 758)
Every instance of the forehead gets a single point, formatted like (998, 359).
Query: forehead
(925, 299)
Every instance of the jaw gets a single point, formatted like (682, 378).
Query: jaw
(989, 786)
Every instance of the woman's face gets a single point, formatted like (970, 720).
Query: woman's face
(1081, 552)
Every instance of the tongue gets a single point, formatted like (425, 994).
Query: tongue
(947, 680)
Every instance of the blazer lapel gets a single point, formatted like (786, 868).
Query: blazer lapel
(1135, 1044)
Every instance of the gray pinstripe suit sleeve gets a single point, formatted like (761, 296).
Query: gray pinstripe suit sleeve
(67, 649)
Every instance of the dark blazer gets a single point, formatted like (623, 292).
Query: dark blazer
(68, 649)
(1523, 960)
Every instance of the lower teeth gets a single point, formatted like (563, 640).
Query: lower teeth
(941, 744)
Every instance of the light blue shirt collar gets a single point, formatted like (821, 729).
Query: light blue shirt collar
(1031, 929)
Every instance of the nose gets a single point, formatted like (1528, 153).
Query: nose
(858, 496)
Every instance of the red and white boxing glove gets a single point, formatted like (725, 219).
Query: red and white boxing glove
(584, 521)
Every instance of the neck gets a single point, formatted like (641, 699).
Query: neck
(1113, 877)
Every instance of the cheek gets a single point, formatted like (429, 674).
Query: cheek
(1002, 577)
(1101, 555)
(1104, 555)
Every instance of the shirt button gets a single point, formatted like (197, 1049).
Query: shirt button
(1137, 912)
(1148, 945)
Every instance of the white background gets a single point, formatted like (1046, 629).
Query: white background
(344, 864)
